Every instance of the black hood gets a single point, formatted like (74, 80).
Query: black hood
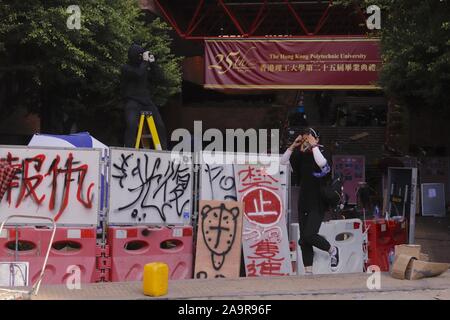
(134, 54)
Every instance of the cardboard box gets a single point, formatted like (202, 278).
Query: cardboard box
(424, 257)
(411, 264)
(401, 264)
(412, 250)
(423, 269)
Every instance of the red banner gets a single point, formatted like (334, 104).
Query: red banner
(350, 63)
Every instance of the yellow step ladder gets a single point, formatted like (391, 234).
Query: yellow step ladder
(147, 116)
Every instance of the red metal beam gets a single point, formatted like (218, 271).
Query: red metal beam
(258, 19)
(259, 23)
(202, 38)
(203, 16)
(323, 18)
(194, 17)
(339, 36)
(169, 18)
(233, 18)
(297, 17)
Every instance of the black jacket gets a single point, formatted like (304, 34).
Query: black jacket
(304, 165)
(134, 77)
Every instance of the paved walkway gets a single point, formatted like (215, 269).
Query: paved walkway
(343, 286)
(434, 236)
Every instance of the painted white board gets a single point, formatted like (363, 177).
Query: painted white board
(149, 187)
(59, 183)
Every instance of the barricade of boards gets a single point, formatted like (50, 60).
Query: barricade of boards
(152, 214)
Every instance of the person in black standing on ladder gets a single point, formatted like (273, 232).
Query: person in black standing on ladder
(134, 80)
(312, 168)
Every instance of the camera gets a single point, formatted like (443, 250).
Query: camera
(146, 56)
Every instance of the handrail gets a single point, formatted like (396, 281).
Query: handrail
(36, 286)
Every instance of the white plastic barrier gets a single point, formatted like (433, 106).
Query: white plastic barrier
(347, 235)
(149, 187)
(59, 183)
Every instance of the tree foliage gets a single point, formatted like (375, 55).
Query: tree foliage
(75, 73)
(415, 45)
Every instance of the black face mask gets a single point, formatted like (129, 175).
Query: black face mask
(135, 54)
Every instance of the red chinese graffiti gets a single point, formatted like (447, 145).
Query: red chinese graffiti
(262, 206)
(264, 262)
(254, 177)
(28, 184)
(31, 183)
(263, 234)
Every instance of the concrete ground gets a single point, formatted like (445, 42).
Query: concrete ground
(434, 236)
(342, 286)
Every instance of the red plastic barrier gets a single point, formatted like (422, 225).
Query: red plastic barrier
(398, 231)
(72, 247)
(103, 263)
(133, 247)
(379, 243)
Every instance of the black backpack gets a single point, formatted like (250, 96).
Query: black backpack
(333, 192)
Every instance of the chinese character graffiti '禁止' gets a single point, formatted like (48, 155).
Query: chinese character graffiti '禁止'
(252, 177)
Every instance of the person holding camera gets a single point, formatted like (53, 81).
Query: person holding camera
(136, 94)
(312, 168)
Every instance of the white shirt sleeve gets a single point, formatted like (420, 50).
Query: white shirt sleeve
(318, 157)
(285, 157)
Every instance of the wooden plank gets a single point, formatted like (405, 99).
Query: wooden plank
(219, 241)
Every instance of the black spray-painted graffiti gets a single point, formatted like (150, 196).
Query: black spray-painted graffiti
(204, 275)
(168, 180)
(226, 183)
(219, 226)
(123, 168)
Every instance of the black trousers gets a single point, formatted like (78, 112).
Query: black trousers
(310, 222)
(132, 112)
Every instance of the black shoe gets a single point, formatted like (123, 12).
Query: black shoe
(335, 260)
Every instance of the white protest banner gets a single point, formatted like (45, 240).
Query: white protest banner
(264, 236)
(59, 183)
(149, 187)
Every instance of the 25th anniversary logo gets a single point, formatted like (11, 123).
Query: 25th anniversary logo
(234, 60)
